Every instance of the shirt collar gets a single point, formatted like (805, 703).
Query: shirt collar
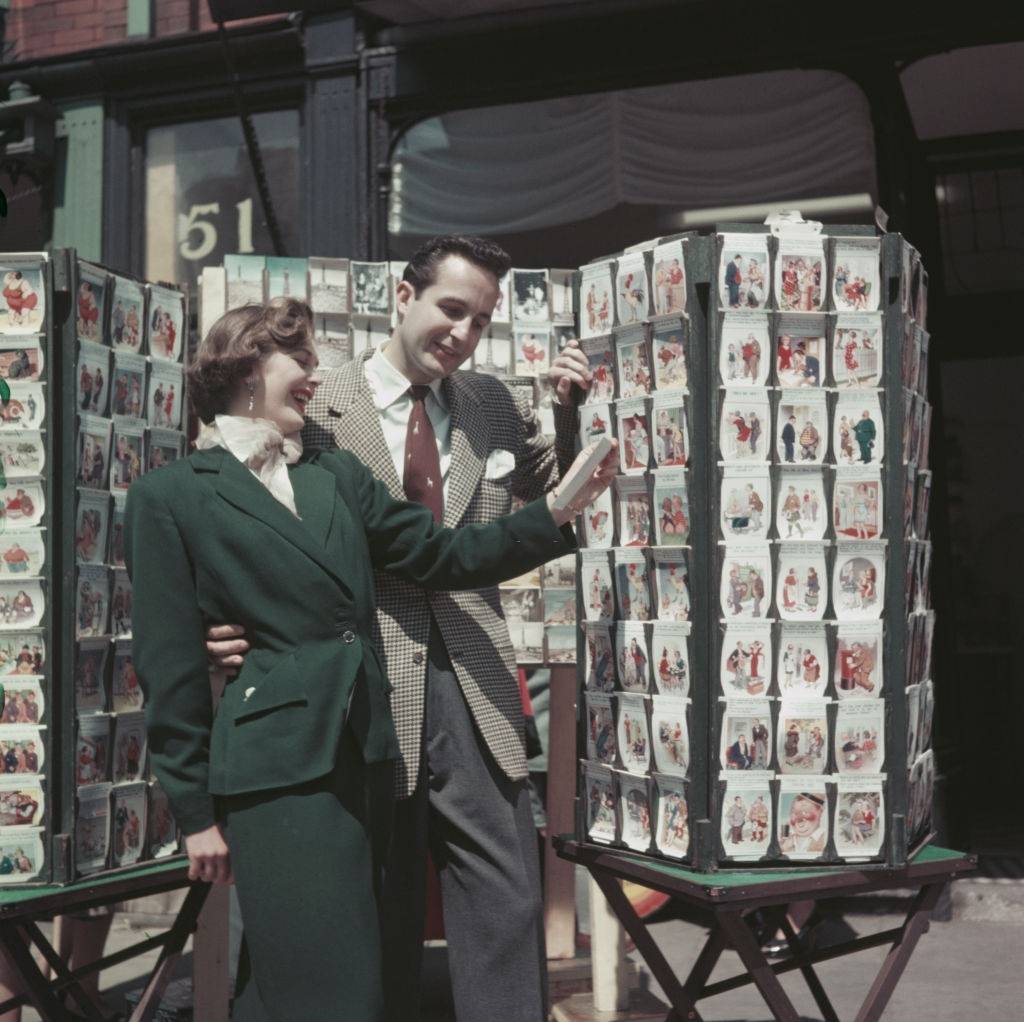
(387, 384)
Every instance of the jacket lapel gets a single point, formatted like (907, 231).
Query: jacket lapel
(470, 441)
(314, 497)
(356, 425)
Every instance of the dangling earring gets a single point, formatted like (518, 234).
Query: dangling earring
(252, 395)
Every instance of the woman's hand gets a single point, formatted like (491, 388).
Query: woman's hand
(584, 490)
(208, 856)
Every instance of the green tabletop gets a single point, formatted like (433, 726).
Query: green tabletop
(735, 879)
(144, 871)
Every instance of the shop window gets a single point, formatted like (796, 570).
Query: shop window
(981, 212)
(201, 196)
(560, 181)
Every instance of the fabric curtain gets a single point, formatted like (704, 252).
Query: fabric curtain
(687, 146)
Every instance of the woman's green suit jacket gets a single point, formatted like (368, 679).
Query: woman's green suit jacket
(206, 542)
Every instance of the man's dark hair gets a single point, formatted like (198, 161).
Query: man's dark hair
(421, 270)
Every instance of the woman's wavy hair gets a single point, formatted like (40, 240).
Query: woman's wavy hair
(237, 343)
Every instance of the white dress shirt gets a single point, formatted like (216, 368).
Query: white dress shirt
(391, 398)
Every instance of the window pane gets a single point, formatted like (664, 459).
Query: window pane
(201, 197)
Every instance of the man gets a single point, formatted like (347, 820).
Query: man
(864, 431)
(789, 439)
(737, 816)
(465, 446)
(733, 279)
(809, 439)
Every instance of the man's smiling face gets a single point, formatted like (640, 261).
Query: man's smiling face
(441, 326)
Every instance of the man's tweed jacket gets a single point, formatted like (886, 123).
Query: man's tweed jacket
(485, 417)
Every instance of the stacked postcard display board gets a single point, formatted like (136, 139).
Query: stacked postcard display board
(93, 363)
(354, 310)
(756, 632)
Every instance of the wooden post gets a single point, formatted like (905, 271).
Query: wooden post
(210, 978)
(607, 953)
(559, 875)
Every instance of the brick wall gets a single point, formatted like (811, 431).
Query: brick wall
(46, 28)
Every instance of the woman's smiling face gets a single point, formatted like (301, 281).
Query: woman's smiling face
(286, 382)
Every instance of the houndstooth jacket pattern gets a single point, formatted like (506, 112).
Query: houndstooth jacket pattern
(485, 416)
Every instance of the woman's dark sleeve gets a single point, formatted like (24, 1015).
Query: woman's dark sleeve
(169, 655)
(404, 539)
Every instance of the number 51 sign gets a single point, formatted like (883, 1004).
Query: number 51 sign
(197, 232)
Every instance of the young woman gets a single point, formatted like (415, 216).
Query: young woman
(279, 789)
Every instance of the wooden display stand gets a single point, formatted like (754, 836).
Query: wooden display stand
(724, 898)
(21, 910)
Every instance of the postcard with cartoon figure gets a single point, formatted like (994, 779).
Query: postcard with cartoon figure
(803, 660)
(858, 430)
(669, 338)
(634, 511)
(803, 819)
(803, 736)
(671, 657)
(744, 271)
(600, 802)
(632, 288)
(127, 315)
(634, 662)
(600, 727)
(860, 817)
(744, 426)
(27, 406)
(857, 503)
(669, 278)
(745, 665)
(746, 583)
(634, 736)
(800, 348)
(802, 427)
(800, 273)
(746, 817)
(856, 274)
(632, 584)
(801, 511)
(745, 499)
(597, 307)
(801, 591)
(91, 676)
(743, 350)
(599, 522)
(671, 581)
(670, 441)
(857, 350)
(860, 736)
(601, 360)
(165, 323)
(634, 810)
(92, 827)
(858, 665)
(599, 673)
(858, 580)
(745, 738)
(672, 833)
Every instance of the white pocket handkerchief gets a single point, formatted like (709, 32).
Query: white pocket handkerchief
(499, 464)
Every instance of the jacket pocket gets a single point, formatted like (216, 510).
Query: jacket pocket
(281, 686)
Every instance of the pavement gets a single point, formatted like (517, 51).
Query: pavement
(971, 966)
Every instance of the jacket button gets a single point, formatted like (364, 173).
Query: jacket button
(348, 636)
(417, 657)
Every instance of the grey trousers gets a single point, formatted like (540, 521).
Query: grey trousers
(479, 828)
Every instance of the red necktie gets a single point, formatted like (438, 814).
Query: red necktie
(422, 477)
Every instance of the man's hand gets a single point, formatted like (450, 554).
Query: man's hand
(208, 856)
(226, 647)
(571, 366)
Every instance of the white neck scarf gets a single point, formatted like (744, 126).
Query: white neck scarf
(259, 445)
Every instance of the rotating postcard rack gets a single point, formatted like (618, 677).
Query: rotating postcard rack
(93, 362)
(755, 625)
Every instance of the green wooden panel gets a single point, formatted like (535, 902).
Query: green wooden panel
(78, 198)
(140, 18)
